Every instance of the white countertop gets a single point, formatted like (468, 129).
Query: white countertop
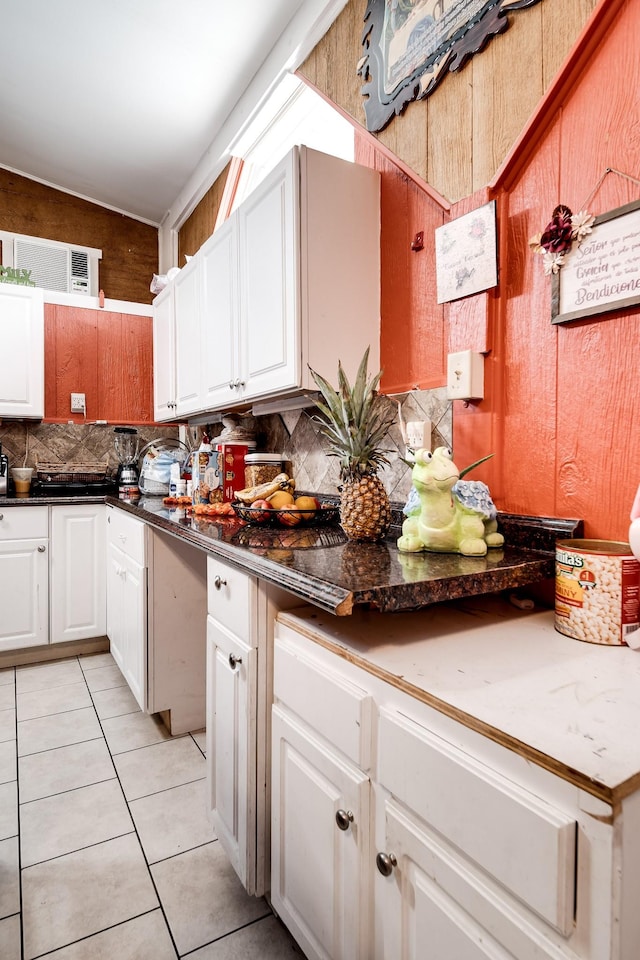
(482, 660)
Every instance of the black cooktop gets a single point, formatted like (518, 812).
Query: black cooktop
(99, 488)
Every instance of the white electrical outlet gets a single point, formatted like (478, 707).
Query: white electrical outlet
(419, 434)
(77, 403)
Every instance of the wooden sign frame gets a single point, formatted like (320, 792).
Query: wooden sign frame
(405, 59)
(602, 273)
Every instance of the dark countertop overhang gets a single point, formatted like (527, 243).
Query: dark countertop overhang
(319, 564)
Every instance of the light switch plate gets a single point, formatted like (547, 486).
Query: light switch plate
(465, 376)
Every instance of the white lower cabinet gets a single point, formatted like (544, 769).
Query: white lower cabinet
(52, 574)
(127, 599)
(78, 572)
(320, 843)
(241, 612)
(24, 577)
(398, 832)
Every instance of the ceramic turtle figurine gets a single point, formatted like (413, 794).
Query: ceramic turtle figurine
(452, 515)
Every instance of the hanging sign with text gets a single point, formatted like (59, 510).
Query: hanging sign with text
(602, 273)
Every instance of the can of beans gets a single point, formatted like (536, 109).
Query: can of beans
(597, 590)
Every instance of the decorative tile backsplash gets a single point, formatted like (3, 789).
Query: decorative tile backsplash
(67, 442)
(293, 434)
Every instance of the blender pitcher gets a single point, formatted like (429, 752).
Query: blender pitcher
(125, 443)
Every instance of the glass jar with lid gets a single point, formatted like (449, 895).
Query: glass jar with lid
(261, 468)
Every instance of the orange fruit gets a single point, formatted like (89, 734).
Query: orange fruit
(280, 499)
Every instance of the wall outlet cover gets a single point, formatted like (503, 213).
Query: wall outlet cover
(77, 403)
(465, 376)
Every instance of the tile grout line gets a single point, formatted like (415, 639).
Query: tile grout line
(135, 829)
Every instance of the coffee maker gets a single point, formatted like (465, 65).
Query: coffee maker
(4, 473)
(126, 446)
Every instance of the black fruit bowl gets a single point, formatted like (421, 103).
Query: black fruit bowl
(328, 513)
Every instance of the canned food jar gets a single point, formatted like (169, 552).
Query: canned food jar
(261, 468)
(597, 590)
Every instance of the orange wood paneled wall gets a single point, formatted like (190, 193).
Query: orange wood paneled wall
(412, 329)
(107, 356)
(561, 407)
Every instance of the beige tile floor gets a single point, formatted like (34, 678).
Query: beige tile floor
(105, 847)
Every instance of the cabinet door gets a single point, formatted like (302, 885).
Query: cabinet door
(186, 295)
(24, 594)
(219, 316)
(270, 351)
(22, 354)
(164, 385)
(319, 882)
(231, 747)
(417, 891)
(134, 628)
(78, 583)
(115, 612)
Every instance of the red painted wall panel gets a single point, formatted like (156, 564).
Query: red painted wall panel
(107, 356)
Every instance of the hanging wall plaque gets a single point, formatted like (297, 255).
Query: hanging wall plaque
(602, 272)
(410, 45)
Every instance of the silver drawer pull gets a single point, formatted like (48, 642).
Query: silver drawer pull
(219, 582)
(385, 862)
(41, 549)
(1, 516)
(344, 818)
(234, 661)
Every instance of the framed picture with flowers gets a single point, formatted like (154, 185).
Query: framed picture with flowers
(594, 262)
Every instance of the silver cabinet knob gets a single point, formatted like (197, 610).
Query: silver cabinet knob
(41, 548)
(218, 582)
(231, 384)
(234, 661)
(344, 818)
(385, 862)
(1, 516)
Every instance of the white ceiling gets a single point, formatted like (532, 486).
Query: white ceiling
(127, 101)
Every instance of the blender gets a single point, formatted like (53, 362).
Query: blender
(125, 443)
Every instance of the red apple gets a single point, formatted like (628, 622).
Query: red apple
(289, 515)
(260, 511)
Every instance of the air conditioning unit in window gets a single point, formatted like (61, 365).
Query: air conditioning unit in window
(53, 266)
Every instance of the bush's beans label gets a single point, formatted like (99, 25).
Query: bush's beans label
(597, 590)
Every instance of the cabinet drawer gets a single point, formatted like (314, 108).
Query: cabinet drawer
(523, 842)
(229, 598)
(24, 523)
(336, 708)
(127, 533)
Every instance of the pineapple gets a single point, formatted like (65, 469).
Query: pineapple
(355, 426)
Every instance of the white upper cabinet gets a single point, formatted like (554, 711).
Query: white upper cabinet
(219, 316)
(22, 354)
(269, 335)
(188, 325)
(164, 356)
(291, 279)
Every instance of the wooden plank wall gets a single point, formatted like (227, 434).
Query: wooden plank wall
(107, 356)
(200, 224)
(129, 247)
(457, 138)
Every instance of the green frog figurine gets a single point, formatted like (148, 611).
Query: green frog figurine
(453, 515)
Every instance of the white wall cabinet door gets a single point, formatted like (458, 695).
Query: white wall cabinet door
(115, 613)
(186, 293)
(164, 359)
(270, 351)
(134, 608)
(219, 314)
(319, 844)
(78, 572)
(231, 733)
(22, 353)
(24, 589)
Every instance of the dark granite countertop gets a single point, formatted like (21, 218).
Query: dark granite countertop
(319, 564)
(322, 567)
